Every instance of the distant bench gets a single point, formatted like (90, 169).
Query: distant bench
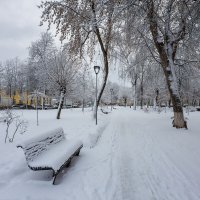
(2, 119)
(50, 151)
(104, 112)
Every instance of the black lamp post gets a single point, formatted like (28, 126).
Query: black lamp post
(111, 92)
(96, 70)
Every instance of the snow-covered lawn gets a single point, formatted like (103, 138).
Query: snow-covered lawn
(129, 155)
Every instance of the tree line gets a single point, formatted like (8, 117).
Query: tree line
(155, 44)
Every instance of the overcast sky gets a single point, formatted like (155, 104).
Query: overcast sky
(19, 26)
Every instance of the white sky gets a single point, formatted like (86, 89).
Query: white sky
(19, 26)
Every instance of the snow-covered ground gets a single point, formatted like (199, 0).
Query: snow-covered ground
(129, 155)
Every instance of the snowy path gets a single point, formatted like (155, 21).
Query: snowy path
(144, 168)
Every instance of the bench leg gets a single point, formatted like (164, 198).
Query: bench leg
(54, 179)
(77, 154)
(54, 176)
(68, 164)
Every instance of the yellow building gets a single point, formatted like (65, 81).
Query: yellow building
(24, 98)
(5, 100)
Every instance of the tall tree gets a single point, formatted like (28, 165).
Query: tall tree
(82, 22)
(170, 23)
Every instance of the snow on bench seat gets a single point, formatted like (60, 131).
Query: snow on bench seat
(56, 156)
(50, 151)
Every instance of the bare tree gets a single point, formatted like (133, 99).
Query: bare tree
(14, 124)
(9, 76)
(83, 90)
(62, 71)
(40, 53)
(124, 54)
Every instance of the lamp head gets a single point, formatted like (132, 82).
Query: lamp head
(96, 69)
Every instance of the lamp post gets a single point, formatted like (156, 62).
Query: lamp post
(96, 70)
(36, 94)
(111, 92)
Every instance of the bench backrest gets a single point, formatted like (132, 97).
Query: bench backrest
(35, 146)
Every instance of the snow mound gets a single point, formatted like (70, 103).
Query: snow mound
(94, 136)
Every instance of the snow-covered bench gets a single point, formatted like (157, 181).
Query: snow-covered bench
(50, 151)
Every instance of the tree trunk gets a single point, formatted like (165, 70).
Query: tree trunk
(135, 94)
(125, 101)
(167, 51)
(141, 95)
(168, 67)
(62, 95)
(178, 121)
(157, 96)
(83, 105)
(169, 102)
(154, 103)
(105, 77)
(142, 89)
